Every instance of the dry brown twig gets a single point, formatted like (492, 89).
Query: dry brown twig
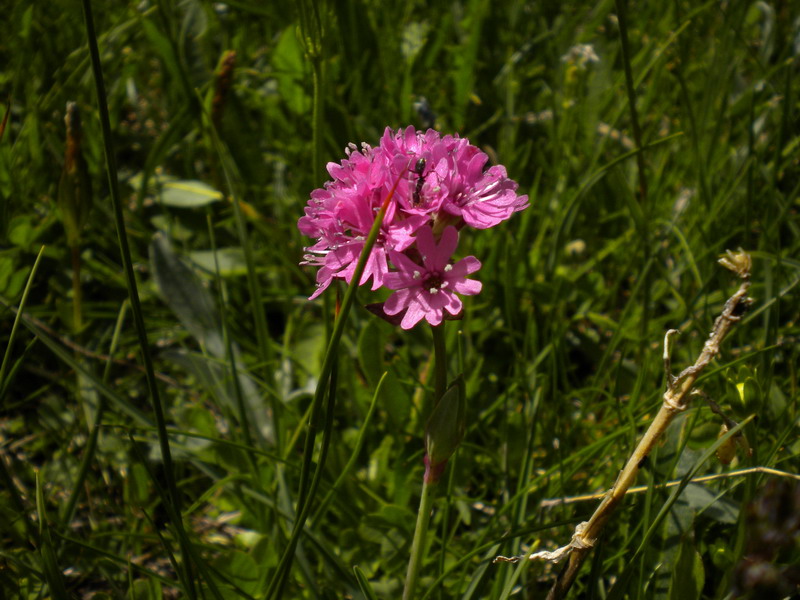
(676, 400)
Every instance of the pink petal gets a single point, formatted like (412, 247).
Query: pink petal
(413, 316)
(447, 245)
(397, 302)
(468, 287)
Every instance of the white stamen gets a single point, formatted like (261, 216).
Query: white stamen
(434, 290)
(417, 275)
(448, 268)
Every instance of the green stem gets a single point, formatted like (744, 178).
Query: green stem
(331, 355)
(88, 455)
(133, 295)
(622, 13)
(426, 500)
(440, 362)
(17, 318)
(418, 545)
(323, 454)
(77, 321)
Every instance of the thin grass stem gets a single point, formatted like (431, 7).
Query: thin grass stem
(13, 335)
(133, 294)
(331, 355)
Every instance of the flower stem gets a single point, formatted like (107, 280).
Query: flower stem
(303, 508)
(418, 545)
(440, 362)
(426, 500)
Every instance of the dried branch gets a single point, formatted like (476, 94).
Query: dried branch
(676, 400)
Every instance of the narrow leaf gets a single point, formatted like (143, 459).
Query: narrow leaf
(53, 575)
(363, 584)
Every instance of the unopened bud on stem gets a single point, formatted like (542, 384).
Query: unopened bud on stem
(444, 430)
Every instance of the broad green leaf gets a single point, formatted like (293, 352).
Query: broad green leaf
(230, 261)
(195, 308)
(392, 515)
(396, 400)
(240, 569)
(185, 295)
(446, 424)
(290, 71)
(21, 231)
(688, 575)
(701, 499)
(188, 194)
(214, 376)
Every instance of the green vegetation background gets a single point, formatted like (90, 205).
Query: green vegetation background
(561, 351)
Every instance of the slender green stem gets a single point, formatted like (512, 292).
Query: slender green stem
(77, 320)
(323, 455)
(133, 293)
(317, 116)
(15, 326)
(622, 13)
(418, 545)
(69, 509)
(331, 355)
(323, 506)
(426, 500)
(440, 362)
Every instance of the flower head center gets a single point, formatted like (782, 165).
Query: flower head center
(433, 282)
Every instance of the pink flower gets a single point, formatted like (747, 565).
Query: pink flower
(428, 290)
(438, 181)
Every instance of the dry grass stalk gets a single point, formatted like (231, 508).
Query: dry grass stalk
(676, 400)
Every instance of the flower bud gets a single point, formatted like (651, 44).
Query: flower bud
(444, 430)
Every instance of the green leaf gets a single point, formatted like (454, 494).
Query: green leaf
(391, 515)
(189, 300)
(446, 424)
(188, 194)
(21, 231)
(370, 352)
(363, 584)
(240, 569)
(701, 499)
(215, 377)
(195, 308)
(230, 261)
(688, 575)
(394, 399)
(52, 572)
(290, 71)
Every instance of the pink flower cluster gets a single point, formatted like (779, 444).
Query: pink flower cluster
(441, 184)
